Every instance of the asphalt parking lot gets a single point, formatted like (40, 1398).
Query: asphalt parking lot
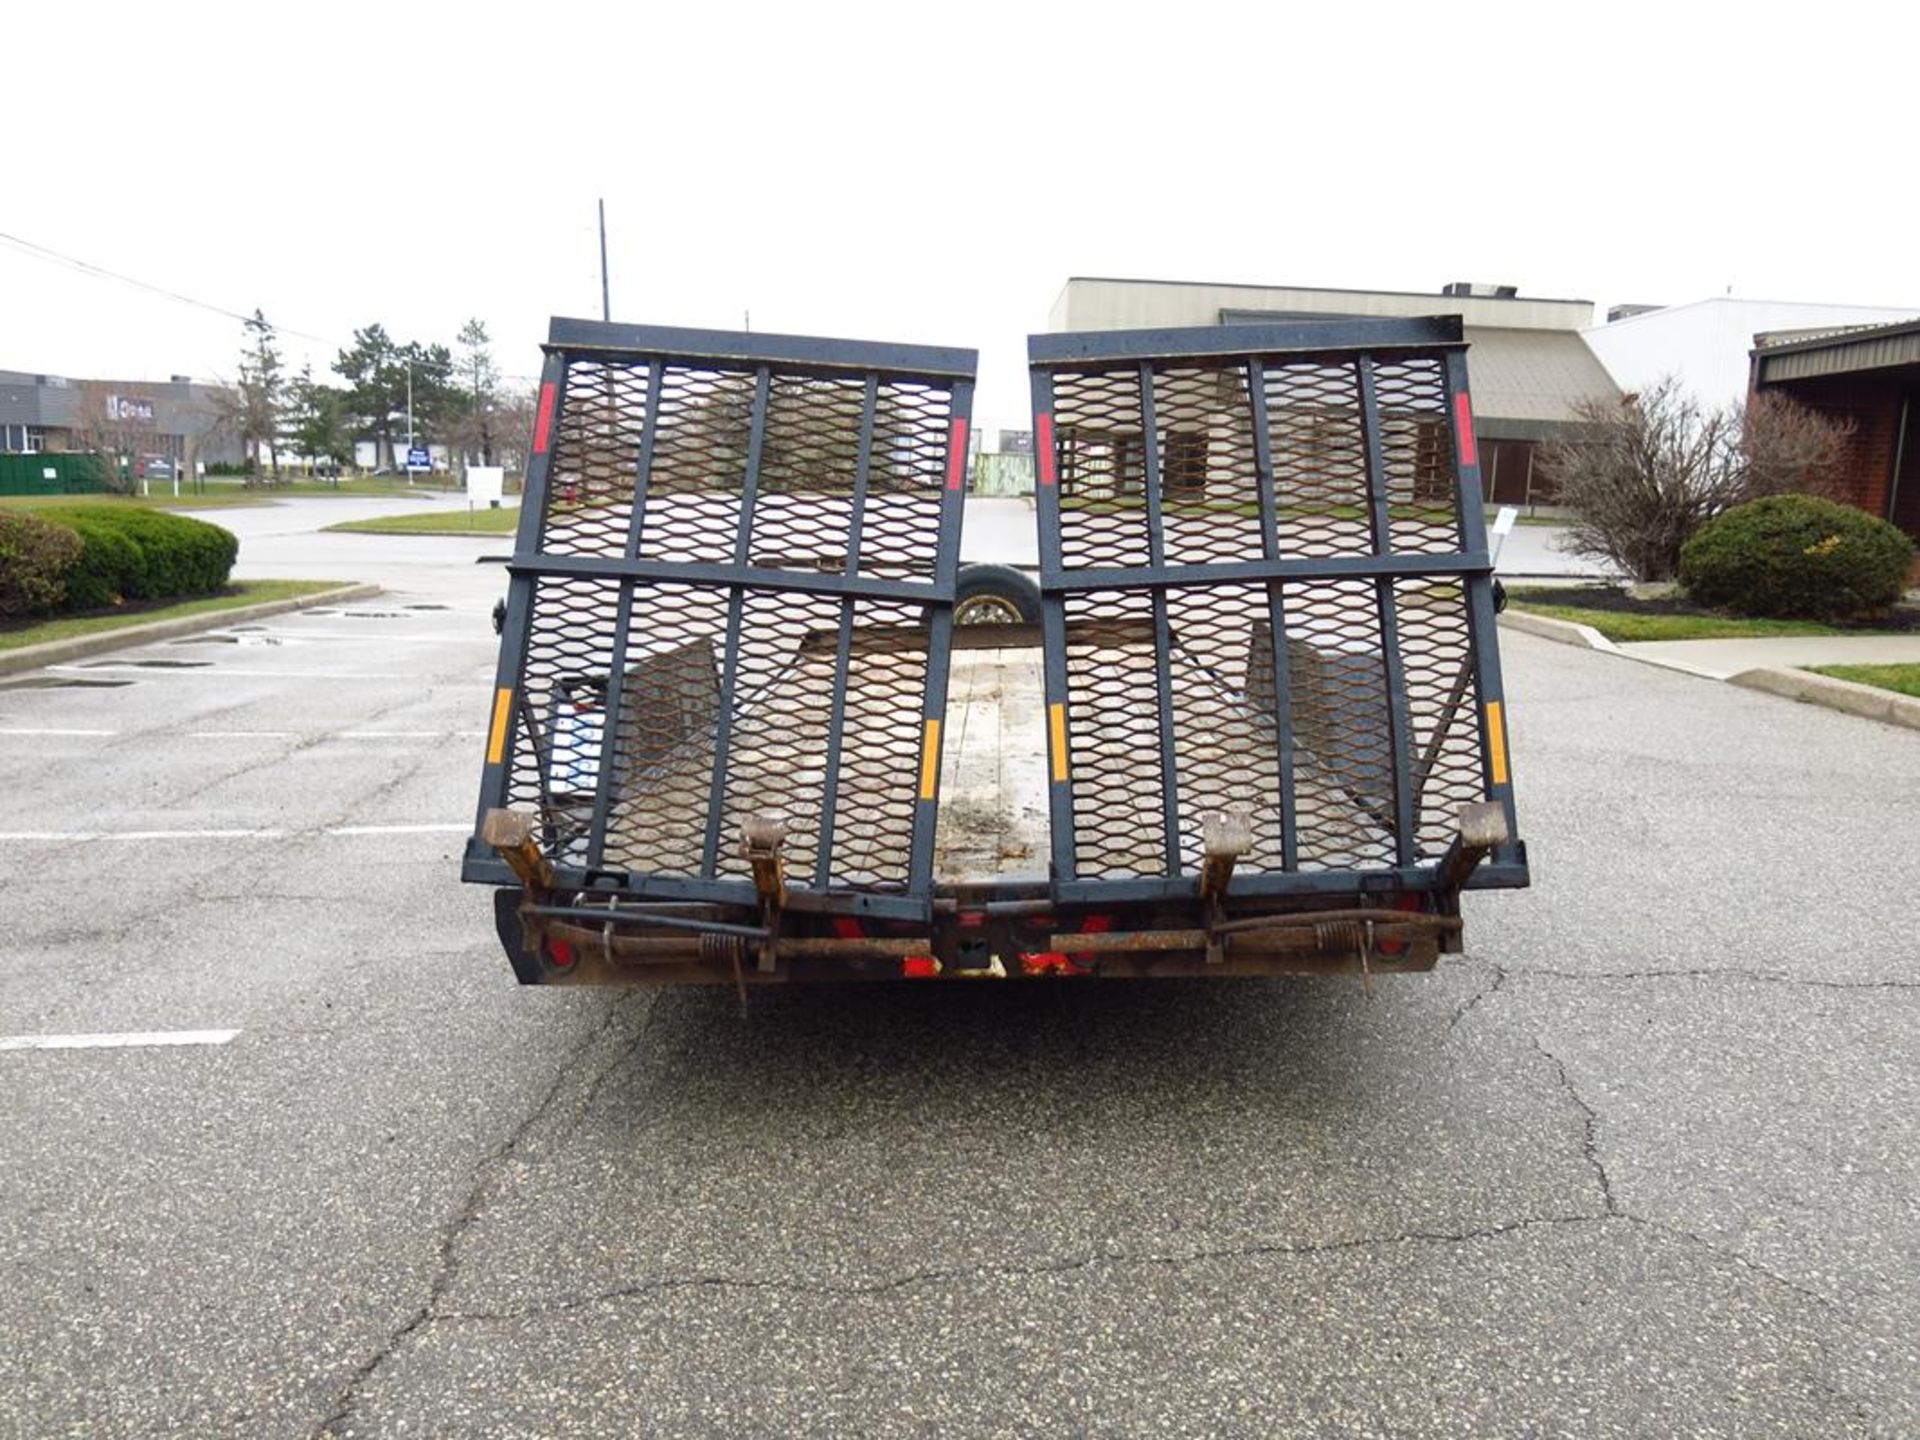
(1642, 1163)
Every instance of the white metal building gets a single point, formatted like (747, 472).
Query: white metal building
(1707, 343)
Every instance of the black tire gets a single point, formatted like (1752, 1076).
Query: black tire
(995, 595)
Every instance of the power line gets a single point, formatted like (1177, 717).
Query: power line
(87, 267)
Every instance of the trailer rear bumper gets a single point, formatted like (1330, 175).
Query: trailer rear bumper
(1008, 935)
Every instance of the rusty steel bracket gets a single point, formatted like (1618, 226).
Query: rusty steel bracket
(1225, 836)
(510, 833)
(1483, 828)
(761, 837)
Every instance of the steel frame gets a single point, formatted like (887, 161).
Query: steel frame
(764, 357)
(1361, 344)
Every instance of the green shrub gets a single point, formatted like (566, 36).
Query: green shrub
(35, 558)
(1797, 556)
(107, 570)
(179, 555)
(133, 553)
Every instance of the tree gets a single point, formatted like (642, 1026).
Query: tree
(376, 375)
(474, 429)
(317, 420)
(115, 423)
(382, 375)
(260, 392)
(1646, 472)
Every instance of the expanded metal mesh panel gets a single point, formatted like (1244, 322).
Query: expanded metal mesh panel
(1416, 443)
(771, 537)
(1443, 704)
(557, 708)
(1319, 459)
(1212, 504)
(1364, 719)
(1225, 730)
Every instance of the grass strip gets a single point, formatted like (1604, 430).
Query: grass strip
(1902, 679)
(246, 592)
(503, 521)
(1626, 629)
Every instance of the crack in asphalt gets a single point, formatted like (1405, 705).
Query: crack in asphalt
(1767, 977)
(481, 1179)
(1112, 1259)
(1590, 1136)
(1499, 979)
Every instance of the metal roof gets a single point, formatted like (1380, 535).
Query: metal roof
(1796, 355)
(1526, 382)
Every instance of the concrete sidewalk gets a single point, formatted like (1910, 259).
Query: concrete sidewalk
(1723, 658)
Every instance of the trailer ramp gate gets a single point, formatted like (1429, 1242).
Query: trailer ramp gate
(1266, 589)
(731, 599)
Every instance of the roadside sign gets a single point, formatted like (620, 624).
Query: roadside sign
(418, 458)
(1503, 527)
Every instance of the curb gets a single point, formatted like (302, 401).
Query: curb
(1564, 631)
(55, 652)
(1868, 701)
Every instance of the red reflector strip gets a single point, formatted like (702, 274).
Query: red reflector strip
(1050, 962)
(543, 423)
(1043, 445)
(1463, 427)
(957, 454)
(919, 967)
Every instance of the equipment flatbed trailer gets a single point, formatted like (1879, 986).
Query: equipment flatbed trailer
(738, 738)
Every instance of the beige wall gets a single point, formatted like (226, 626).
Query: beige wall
(1148, 304)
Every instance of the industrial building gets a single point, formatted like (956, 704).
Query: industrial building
(177, 421)
(1868, 376)
(1705, 344)
(1529, 365)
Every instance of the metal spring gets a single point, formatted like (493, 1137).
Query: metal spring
(1343, 936)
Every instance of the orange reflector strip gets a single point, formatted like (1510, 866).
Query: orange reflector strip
(497, 737)
(1497, 741)
(1057, 732)
(930, 761)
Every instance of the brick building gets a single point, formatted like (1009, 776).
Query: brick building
(1868, 375)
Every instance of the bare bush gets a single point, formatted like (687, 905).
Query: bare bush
(1646, 472)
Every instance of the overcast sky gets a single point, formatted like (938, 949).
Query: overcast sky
(922, 173)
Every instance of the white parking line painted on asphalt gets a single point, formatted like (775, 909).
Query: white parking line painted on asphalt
(398, 830)
(211, 671)
(77, 837)
(266, 734)
(126, 1040)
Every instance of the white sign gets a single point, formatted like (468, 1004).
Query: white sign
(47, 472)
(485, 484)
(128, 407)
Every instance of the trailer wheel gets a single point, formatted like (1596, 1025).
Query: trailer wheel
(995, 595)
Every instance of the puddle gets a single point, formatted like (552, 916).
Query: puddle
(228, 640)
(429, 607)
(319, 612)
(150, 664)
(367, 614)
(63, 682)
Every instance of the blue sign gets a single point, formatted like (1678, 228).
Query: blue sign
(419, 459)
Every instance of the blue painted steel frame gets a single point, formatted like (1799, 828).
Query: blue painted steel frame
(1360, 343)
(763, 356)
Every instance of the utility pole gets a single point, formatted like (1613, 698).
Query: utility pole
(409, 423)
(606, 306)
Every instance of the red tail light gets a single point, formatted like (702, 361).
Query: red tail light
(920, 967)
